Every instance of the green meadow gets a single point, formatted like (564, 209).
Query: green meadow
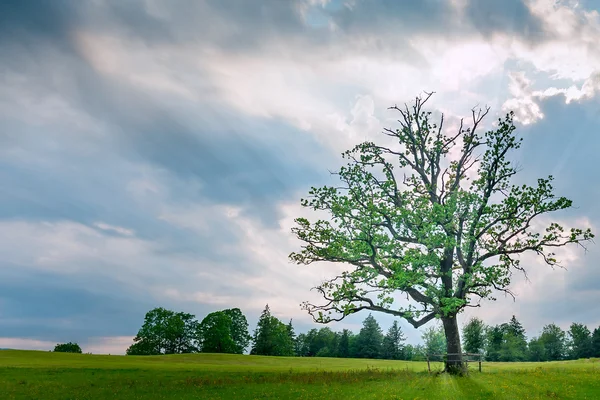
(45, 375)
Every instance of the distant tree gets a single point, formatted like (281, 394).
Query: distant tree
(441, 236)
(553, 339)
(596, 343)
(494, 339)
(580, 341)
(324, 343)
(369, 339)
(300, 345)
(142, 348)
(67, 348)
(434, 340)
(393, 343)
(215, 334)
(536, 350)
(414, 352)
(344, 344)
(239, 329)
(474, 335)
(166, 332)
(291, 333)
(271, 337)
(409, 352)
(332, 345)
(514, 341)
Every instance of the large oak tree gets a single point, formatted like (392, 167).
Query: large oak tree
(442, 239)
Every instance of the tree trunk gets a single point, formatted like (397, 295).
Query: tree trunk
(453, 364)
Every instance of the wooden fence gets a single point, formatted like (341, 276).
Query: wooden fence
(475, 357)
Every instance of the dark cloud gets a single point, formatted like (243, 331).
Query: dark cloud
(50, 20)
(507, 16)
(200, 154)
(54, 307)
(393, 16)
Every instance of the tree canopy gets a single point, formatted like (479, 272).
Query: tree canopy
(67, 348)
(271, 337)
(166, 332)
(474, 336)
(449, 233)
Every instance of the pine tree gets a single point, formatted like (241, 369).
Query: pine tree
(369, 339)
(271, 337)
(393, 347)
(263, 335)
(514, 341)
(291, 333)
(596, 343)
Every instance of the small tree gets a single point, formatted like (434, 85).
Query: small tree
(580, 341)
(553, 340)
(271, 337)
(67, 348)
(166, 332)
(393, 343)
(369, 339)
(214, 334)
(535, 350)
(435, 341)
(239, 329)
(435, 236)
(474, 335)
(494, 339)
(596, 343)
(344, 344)
(514, 341)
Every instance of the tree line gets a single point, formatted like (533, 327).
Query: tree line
(226, 331)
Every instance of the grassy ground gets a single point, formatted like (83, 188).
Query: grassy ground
(44, 375)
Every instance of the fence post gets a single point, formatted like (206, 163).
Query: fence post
(480, 362)
(428, 366)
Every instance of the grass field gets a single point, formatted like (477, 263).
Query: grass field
(44, 375)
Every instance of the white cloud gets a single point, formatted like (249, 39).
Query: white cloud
(117, 229)
(113, 345)
(25, 344)
(527, 111)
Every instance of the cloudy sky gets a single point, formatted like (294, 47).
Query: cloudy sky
(153, 152)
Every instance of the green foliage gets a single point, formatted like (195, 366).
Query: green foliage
(494, 339)
(165, 332)
(215, 334)
(514, 345)
(434, 340)
(596, 343)
(474, 335)
(54, 376)
(415, 353)
(580, 341)
(344, 344)
(436, 235)
(393, 343)
(271, 337)
(67, 348)
(553, 340)
(369, 339)
(536, 350)
(506, 342)
(239, 329)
